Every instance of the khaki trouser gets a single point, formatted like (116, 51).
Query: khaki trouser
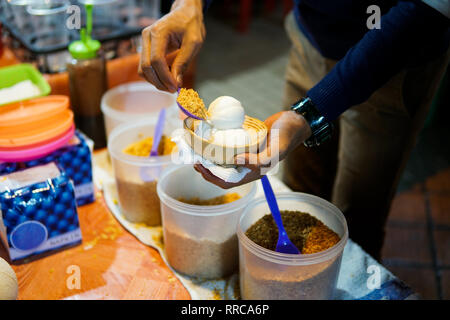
(359, 168)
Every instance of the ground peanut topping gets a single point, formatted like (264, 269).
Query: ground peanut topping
(226, 198)
(191, 101)
(306, 232)
(320, 238)
(143, 147)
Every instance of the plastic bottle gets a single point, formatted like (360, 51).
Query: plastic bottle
(88, 83)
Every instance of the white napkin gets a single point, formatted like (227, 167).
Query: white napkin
(187, 156)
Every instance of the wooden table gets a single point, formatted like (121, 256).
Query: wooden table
(112, 263)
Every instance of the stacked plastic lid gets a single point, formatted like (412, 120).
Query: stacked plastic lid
(35, 128)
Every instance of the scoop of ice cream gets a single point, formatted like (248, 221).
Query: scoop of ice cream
(226, 113)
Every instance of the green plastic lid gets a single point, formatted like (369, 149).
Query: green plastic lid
(86, 48)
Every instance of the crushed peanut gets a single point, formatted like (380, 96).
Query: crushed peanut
(191, 101)
(143, 147)
(226, 198)
(307, 233)
(171, 279)
(320, 238)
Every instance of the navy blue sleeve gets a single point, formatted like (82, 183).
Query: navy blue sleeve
(206, 4)
(411, 33)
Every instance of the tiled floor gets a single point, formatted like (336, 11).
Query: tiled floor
(417, 243)
(251, 68)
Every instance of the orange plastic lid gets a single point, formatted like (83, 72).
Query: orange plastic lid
(32, 111)
(34, 121)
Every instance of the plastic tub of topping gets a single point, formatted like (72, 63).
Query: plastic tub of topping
(17, 75)
(269, 275)
(200, 240)
(35, 128)
(38, 151)
(136, 101)
(137, 175)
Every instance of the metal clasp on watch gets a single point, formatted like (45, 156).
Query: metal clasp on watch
(321, 129)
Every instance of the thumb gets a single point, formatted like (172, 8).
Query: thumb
(185, 55)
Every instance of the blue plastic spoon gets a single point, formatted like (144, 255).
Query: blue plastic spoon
(157, 135)
(284, 245)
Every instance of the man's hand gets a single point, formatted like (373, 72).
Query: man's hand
(180, 32)
(287, 130)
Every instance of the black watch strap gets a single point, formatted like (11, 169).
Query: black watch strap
(320, 128)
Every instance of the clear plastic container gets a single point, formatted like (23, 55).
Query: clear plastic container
(5, 11)
(138, 13)
(134, 101)
(136, 177)
(49, 22)
(18, 9)
(133, 14)
(200, 241)
(270, 275)
(105, 17)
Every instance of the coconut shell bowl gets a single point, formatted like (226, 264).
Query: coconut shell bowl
(224, 154)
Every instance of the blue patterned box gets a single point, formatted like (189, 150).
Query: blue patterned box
(75, 159)
(38, 212)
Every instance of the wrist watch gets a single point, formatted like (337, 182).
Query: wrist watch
(320, 128)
